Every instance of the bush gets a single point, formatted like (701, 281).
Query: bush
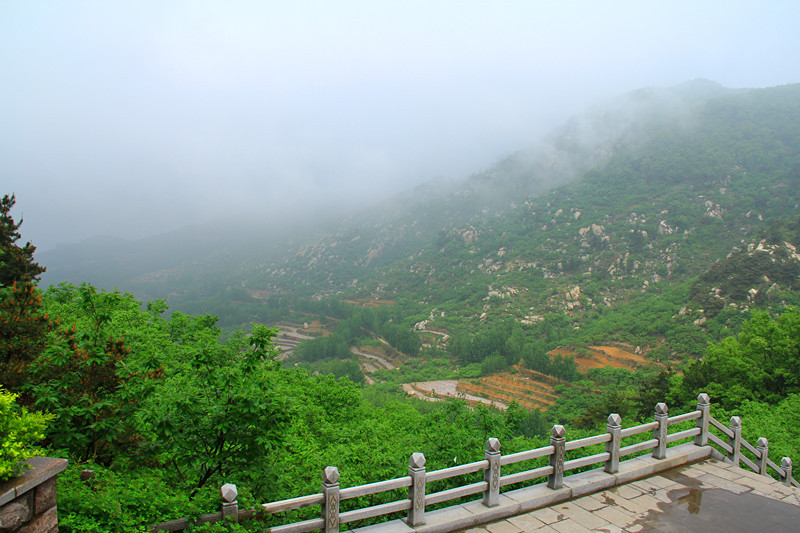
(19, 431)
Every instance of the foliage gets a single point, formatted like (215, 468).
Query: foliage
(772, 421)
(115, 501)
(88, 376)
(23, 332)
(22, 325)
(219, 410)
(16, 262)
(762, 363)
(19, 431)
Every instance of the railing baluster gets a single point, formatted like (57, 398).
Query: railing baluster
(786, 464)
(660, 433)
(762, 445)
(703, 405)
(491, 496)
(416, 492)
(735, 442)
(614, 427)
(331, 517)
(230, 507)
(330, 502)
(558, 442)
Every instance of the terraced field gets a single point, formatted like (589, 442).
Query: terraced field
(530, 389)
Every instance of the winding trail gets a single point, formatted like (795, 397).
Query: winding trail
(448, 388)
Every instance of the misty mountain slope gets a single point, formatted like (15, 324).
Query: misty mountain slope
(643, 224)
(401, 226)
(659, 184)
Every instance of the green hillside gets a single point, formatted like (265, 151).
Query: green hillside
(599, 232)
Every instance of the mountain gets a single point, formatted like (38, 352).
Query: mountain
(597, 233)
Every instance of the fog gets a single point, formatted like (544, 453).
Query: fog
(136, 118)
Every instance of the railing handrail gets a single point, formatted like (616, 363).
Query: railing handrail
(417, 477)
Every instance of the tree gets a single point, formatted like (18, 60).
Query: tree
(96, 369)
(16, 263)
(23, 326)
(220, 411)
(762, 363)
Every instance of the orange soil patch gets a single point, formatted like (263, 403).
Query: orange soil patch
(601, 356)
(530, 389)
(618, 353)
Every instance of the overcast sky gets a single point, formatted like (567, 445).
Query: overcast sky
(130, 118)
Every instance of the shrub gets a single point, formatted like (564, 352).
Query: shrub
(19, 431)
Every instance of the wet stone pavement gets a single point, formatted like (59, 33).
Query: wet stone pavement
(709, 496)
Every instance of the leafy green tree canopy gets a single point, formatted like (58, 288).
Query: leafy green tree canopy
(16, 262)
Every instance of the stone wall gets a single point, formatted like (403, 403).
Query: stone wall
(28, 502)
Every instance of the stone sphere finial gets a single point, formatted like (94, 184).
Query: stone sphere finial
(330, 475)
(614, 420)
(558, 431)
(229, 492)
(417, 460)
(493, 445)
(662, 409)
(736, 422)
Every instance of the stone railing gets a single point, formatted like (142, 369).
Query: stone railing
(28, 502)
(665, 450)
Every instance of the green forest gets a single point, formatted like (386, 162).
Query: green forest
(680, 245)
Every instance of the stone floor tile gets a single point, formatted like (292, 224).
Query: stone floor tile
(752, 475)
(609, 528)
(616, 516)
(633, 507)
(636, 528)
(503, 527)
(730, 474)
(626, 491)
(647, 501)
(590, 503)
(580, 515)
(710, 480)
(569, 526)
(547, 515)
(526, 522)
(659, 481)
(794, 499)
(662, 495)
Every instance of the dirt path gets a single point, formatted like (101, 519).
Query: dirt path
(445, 387)
(384, 363)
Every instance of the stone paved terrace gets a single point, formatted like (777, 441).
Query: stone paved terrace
(708, 496)
(693, 488)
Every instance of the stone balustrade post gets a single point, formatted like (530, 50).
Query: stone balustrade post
(28, 502)
(660, 432)
(762, 445)
(614, 428)
(230, 507)
(735, 442)
(330, 499)
(703, 405)
(558, 442)
(416, 492)
(786, 477)
(491, 496)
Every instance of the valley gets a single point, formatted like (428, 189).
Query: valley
(614, 250)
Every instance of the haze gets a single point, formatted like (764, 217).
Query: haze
(135, 118)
